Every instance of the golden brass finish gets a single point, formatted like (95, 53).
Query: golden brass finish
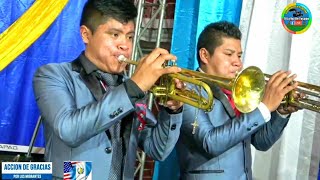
(166, 89)
(247, 88)
(311, 99)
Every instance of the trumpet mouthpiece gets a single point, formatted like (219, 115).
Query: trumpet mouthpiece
(122, 58)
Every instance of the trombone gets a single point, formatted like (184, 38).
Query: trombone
(247, 88)
(311, 99)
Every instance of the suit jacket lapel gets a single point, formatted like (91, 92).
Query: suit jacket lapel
(218, 94)
(93, 85)
(90, 80)
(130, 158)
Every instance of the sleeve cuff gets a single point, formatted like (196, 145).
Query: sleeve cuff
(283, 115)
(265, 112)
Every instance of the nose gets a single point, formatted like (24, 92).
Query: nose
(123, 43)
(123, 47)
(236, 61)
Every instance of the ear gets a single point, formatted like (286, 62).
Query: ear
(85, 33)
(204, 55)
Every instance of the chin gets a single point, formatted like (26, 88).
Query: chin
(233, 75)
(119, 70)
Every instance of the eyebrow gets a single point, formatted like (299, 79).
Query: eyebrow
(119, 30)
(233, 51)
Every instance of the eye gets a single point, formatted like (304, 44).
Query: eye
(115, 35)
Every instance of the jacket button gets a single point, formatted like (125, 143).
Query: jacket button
(173, 127)
(120, 110)
(108, 150)
(248, 129)
(111, 116)
(256, 124)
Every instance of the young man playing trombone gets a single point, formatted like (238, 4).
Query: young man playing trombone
(216, 144)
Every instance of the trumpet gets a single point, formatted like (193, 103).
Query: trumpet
(311, 99)
(247, 88)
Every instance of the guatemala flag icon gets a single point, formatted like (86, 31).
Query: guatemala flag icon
(76, 170)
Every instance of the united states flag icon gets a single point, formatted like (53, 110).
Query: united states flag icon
(77, 170)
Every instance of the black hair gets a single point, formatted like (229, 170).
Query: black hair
(211, 36)
(97, 12)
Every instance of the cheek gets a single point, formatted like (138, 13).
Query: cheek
(107, 49)
(109, 46)
(222, 65)
(223, 68)
(130, 51)
(227, 65)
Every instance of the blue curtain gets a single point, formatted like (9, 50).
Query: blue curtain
(189, 20)
(61, 42)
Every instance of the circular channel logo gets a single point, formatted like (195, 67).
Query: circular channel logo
(296, 18)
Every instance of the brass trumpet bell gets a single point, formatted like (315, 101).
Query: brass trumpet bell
(248, 89)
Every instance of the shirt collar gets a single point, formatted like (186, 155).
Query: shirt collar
(200, 70)
(88, 66)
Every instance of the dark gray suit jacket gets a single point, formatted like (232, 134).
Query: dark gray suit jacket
(220, 147)
(76, 118)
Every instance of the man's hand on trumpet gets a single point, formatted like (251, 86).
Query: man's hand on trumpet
(286, 108)
(150, 68)
(277, 87)
(175, 105)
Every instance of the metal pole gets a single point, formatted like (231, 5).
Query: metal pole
(162, 6)
(136, 49)
(33, 139)
(140, 9)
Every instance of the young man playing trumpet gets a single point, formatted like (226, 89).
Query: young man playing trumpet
(216, 144)
(92, 112)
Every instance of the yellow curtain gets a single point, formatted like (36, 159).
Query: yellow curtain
(28, 28)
